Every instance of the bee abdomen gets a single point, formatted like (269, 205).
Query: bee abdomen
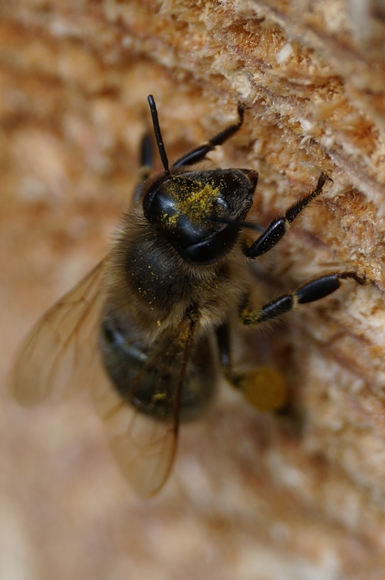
(153, 378)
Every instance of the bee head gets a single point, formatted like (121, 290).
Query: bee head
(197, 211)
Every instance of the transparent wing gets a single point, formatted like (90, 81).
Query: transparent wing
(143, 445)
(59, 351)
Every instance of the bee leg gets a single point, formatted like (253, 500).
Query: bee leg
(278, 227)
(223, 338)
(263, 387)
(146, 163)
(313, 290)
(200, 152)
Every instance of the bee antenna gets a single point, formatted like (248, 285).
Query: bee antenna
(158, 134)
(237, 223)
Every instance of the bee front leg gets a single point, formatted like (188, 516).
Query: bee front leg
(200, 152)
(310, 292)
(278, 227)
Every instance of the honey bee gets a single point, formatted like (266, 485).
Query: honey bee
(146, 328)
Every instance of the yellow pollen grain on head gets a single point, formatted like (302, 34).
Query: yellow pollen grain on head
(172, 220)
(195, 199)
(200, 202)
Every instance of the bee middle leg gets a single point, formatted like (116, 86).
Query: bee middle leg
(310, 292)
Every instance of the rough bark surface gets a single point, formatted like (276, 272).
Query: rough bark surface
(296, 495)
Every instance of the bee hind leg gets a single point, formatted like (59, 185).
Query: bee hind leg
(263, 387)
(223, 339)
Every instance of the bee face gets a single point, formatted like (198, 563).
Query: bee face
(143, 329)
(190, 209)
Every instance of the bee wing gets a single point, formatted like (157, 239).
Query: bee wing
(62, 344)
(61, 350)
(145, 446)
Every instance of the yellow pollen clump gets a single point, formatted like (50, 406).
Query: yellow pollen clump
(265, 388)
(192, 202)
(199, 202)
